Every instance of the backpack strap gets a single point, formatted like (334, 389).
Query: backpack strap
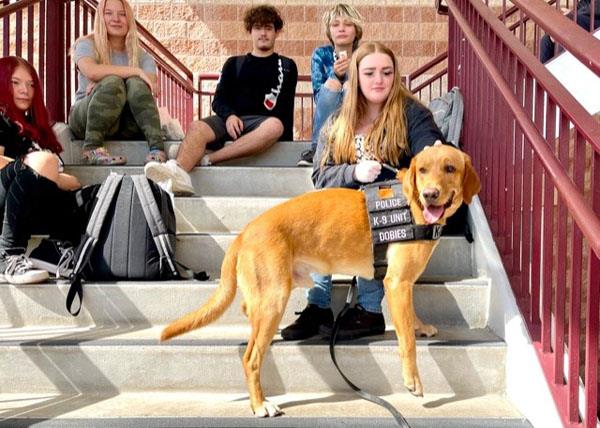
(105, 197)
(159, 231)
(456, 117)
(239, 62)
(155, 222)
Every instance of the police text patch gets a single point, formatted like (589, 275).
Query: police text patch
(387, 204)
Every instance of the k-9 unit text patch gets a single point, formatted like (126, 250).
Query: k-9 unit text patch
(390, 218)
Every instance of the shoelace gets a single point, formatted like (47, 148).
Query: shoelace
(65, 263)
(17, 264)
(303, 314)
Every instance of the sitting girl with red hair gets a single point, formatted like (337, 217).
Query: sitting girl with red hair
(34, 192)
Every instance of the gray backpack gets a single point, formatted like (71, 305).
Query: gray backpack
(130, 235)
(448, 114)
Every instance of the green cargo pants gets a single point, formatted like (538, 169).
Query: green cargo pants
(117, 107)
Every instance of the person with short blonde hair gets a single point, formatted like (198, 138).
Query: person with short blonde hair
(347, 13)
(329, 64)
(116, 88)
(329, 67)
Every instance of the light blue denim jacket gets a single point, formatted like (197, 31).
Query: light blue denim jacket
(321, 67)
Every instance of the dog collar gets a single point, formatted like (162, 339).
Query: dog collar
(391, 221)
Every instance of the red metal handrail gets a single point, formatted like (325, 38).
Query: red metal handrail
(426, 83)
(570, 35)
(15, 7)
(545, 214)
(59, 76)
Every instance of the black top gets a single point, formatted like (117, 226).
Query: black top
(584, 12)
(249, 84)
(15, 145)
(421, 129)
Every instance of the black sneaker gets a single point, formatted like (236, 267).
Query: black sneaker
(306, 158)
(357, 322)
(17, 269)
(308, 323)
(54, 256)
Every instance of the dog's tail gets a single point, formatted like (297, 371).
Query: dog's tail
(217, 303)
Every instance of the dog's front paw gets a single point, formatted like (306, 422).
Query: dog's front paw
(426, 330)
(267, 410)
(413, 384)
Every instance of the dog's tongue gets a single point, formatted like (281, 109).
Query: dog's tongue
(432, 213)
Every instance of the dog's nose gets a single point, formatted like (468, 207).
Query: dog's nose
(431, 194)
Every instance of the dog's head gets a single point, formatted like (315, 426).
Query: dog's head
(438, 180)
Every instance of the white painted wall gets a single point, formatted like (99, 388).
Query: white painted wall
(526, 385)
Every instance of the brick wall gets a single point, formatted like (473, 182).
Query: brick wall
(202, 34)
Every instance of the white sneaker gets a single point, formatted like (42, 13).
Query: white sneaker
(19, 270)
(181, 183)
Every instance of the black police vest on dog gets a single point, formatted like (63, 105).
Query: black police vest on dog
(390, 220)
(130, 234)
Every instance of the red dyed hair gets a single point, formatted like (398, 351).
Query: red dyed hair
(34, 123)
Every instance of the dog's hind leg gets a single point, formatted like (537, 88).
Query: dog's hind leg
(264, 327)
(266, 299)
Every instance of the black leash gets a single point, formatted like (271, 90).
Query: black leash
(362, 394)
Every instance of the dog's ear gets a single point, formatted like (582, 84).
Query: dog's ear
(471, 183)
(409, 182)
(400, 175)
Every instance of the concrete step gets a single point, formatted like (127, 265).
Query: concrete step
(451, 260)
(220, 214)
(214, 214)
(283, 153)
(173, 409)
(283, 182)
(144, 304)
(121, 359)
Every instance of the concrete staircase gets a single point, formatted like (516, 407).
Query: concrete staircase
(106, 367)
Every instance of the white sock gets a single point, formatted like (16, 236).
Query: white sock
(205, 161)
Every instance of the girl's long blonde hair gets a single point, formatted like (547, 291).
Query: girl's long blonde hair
(387, 139)
(100, 36)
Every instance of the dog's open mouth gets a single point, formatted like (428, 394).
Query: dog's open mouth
(433, 213)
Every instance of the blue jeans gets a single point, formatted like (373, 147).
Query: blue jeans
(370, 293)
(328, 101)
(546, 49)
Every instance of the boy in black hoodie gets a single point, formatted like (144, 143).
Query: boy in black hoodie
(254, 106)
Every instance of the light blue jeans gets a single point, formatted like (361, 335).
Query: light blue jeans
(370, 293)
(328, 101)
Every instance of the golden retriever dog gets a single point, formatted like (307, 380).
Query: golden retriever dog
(278, 250)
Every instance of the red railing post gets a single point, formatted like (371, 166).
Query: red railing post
(55, 60)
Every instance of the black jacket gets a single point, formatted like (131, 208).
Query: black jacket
(15, 145)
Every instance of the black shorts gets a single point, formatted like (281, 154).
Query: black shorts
(218, 127)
